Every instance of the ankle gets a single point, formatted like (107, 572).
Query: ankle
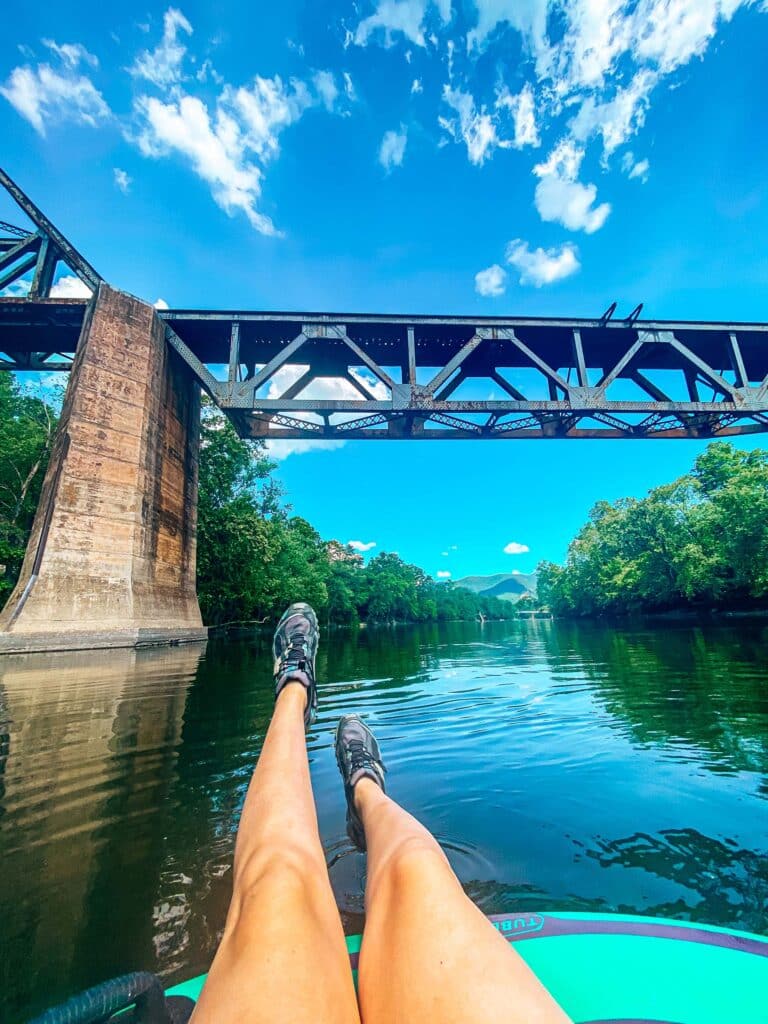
(293, 693)
(365, 793)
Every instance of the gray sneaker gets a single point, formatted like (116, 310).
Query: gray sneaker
(294, 647)
(358, 757)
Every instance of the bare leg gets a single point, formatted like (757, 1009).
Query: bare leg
(282, 957)
(428, 953)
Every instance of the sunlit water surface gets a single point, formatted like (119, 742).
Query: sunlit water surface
(561, 767)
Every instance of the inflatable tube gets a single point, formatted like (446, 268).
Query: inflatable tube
(601, 968)
(620, 969)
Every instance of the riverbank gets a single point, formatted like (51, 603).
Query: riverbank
(689, 616)
(265, 627)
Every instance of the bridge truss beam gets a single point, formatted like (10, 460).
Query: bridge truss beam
(387, 377)
(326, 376)
(29, 262)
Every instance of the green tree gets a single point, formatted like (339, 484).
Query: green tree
(236, 542)
(253, 557)
(27, 429)
(701, 540)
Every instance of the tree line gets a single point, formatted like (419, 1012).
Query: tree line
(700, 542)
(27, 428)
(253, 556)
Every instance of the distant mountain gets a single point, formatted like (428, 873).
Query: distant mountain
(508, 586)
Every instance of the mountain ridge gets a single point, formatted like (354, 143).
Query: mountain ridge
(509, 586)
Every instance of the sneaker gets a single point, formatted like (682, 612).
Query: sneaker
(294, 647)
(358, 757)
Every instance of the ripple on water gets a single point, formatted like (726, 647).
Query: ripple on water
(559, 765)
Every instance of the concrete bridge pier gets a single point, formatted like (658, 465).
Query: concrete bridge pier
(111, 556)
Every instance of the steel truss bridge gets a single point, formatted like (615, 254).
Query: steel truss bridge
(371, 376)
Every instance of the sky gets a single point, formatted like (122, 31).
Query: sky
(499, 157)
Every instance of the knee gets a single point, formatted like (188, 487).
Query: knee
(290, 872)
(412, 861)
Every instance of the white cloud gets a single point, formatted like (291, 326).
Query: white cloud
(491, 281)
(392, 148)
(542, 266)
(17, 289)
(359, 545)
(161, 304)
(635, 168)
(321, 388)
(592, 69)
(162, 66)
(529, 17)
(560, 197)
(260, 113)
(595, 35)
(349, 87)
(475, 127)
(513, 548)
(393, 17)
(206, 71)
(443, 574)
(327, 90)
(123, 180)
(281, 448)
(671, 32)
(416, 87)
(617, 119)
(601, 57)
(400, 17)
(45, 95)
(215, 149)
(228, 146)
(522, 109)
(70, 287)
(71, 54)
(516, 572)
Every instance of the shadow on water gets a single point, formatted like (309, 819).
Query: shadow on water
(561, 766)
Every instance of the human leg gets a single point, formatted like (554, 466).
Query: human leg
(428, 953)
(282, 957)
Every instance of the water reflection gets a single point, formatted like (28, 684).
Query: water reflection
(91, 744)
(721, 880)
(701, 690)
(561, 766)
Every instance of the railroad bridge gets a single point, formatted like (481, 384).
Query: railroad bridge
(111, 557)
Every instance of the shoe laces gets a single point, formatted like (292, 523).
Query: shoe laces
(360, 757)
(296, 652)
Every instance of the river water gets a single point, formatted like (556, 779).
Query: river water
(561, 766)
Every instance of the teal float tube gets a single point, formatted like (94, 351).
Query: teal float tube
(609, 969)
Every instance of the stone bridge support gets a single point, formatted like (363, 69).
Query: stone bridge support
(111, 557)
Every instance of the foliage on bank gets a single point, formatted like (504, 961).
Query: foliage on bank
(254, 557)
(700, 542)
(27, 427)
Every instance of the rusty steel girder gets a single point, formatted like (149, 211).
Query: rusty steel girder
(371, 376)
(294, 375)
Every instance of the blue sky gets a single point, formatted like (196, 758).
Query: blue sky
(506, 157)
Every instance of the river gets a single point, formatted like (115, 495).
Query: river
(561, 766)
